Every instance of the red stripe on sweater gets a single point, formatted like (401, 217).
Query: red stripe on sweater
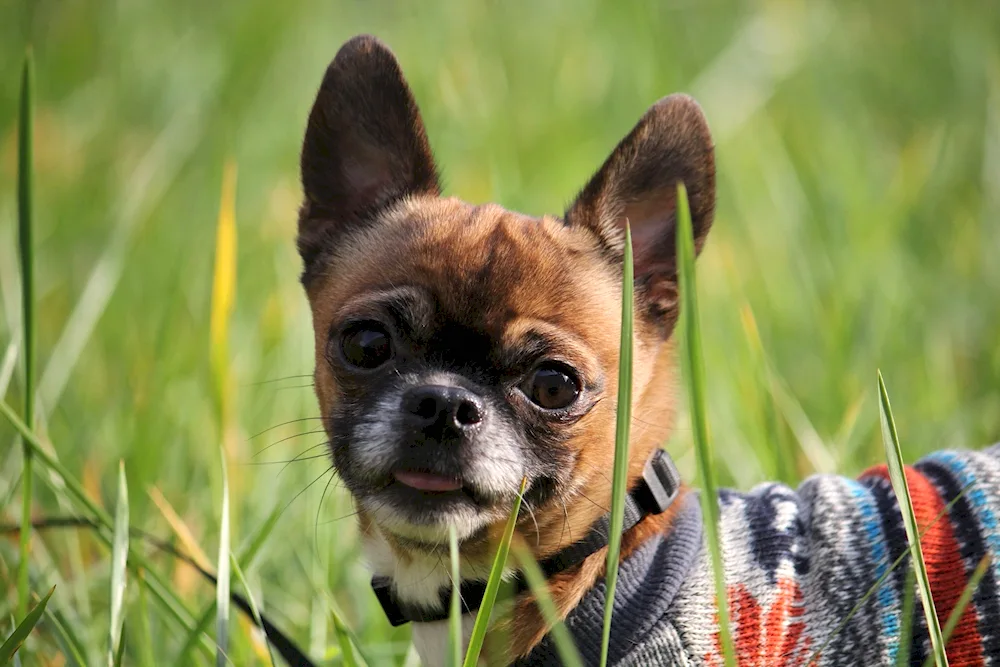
(945, 567)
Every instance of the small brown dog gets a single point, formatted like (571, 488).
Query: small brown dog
(461, 348)
(454, 355)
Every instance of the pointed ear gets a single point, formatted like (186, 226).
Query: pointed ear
(638, 183)
(365, 146)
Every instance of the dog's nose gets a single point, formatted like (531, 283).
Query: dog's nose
(437, 405)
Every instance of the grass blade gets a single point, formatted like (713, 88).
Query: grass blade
(343, 640)
(223, 291)
(146, 658)
(222, 580)
(161, 591)
(246, 558)
(455, 614)
(70, 644)
(894, 458)
(906, 620)
(119, 562)
(493, 584)
(23, 629)
(25, 249)
(963, 601)
(121, 651)
(568, 654)
(693, 369)
(238, 571)
(622, 428)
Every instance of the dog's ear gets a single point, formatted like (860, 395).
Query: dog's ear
(638, 184)
(365, 145)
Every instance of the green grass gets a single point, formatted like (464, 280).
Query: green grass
(16, 639)
(119, 574)
(693, 365)
(26, 254)
(623, 424)
(485, 611)
(897, 475)
(858, 160)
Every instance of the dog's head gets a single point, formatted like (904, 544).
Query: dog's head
(461, 348)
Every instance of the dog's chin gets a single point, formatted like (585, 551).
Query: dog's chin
(422, 519)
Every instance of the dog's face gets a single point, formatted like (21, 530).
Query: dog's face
(461, 348)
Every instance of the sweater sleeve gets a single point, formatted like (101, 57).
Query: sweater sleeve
(813, 571)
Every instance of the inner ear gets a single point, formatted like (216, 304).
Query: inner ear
(671, 143)
(365, 145)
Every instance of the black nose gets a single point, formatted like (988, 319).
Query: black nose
(448, 407)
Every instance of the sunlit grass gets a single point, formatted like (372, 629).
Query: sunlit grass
(692, 363)
(130, 130)
(623, 423)
(897, 475)
(26, 254)
(119, 572)
(485, 611)
(13, 642)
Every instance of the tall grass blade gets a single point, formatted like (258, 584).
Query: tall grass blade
(238, 571)
(455, 613)
(343, 640)
(963, 601)
(693, 369)
(120, 653)
(619, 481)
(568, 653)
(222, 577)
(26, 252)
(493, 584)
(24, 628)
(223, 292)
(119, 563)
(894, 458)
(246, 558)
(146, 658)
(906, 620)
(70, 643)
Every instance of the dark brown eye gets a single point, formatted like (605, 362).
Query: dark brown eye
(553, 387)
(366, 345)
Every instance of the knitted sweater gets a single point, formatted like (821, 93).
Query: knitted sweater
(797, 562)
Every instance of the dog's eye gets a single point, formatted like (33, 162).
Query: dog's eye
(553, 387)
(366, 345)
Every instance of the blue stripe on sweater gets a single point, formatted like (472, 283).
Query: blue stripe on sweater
(886, 594)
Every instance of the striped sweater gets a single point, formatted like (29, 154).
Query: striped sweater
(797, 562)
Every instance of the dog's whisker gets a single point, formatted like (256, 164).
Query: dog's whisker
(271, 428)
(281, 379)
(286, 439)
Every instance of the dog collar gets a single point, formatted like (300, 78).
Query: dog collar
(655, 491)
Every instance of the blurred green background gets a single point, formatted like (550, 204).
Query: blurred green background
(858, 227)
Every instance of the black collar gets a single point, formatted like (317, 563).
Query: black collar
(655, 491)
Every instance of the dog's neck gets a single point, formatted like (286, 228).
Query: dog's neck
(419, 578)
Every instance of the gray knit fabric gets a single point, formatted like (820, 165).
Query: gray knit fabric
(797, 563)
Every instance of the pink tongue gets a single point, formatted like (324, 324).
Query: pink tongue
(425, 481)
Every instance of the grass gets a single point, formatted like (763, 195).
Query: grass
(16, 639)
(692, 363)
(857, 182)
(897, 475)
(623, 424)
(485, 611)
(26, 253)
(119, 574)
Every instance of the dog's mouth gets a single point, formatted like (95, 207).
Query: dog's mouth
(427, 482)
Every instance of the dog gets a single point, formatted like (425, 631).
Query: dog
(461, 349)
